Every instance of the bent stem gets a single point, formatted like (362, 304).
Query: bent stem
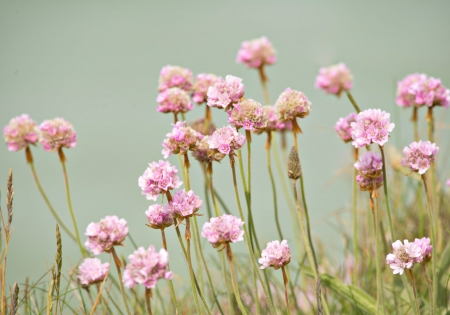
(234, 281)
(430, 286)
(355, 222)
(413, 282)
(285, 280)
(172, 290)
(148, 296)
(352, 100)
(119, 273)
(272, 182)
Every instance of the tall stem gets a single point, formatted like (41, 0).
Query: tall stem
(234, 281)
(119, 274)
(413, 282)
(352, 100)
(376, 223)
(355, 222)
(172, 290)
(191, 270)
(272, 182)
(211, 189)
(414, 120)
(263, 79)
(148, 296)
(386, 196)
(430, 120)
(430, 287)
(308, 224)
(285, 281)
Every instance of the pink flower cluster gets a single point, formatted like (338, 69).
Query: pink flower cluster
(420, 155)
(223, 229)
(404, 97)
(174, 76)
(159, 217)
(174, 100)
(20, 132)
(407, 254)
(102, 236)
(204, 154)
(273, 124)
(334, 79)
(371, 126)
(146, 267)
(158, 178)
(226, 140)
(370, 167)
(56, 134)
(291, 104)
(92, 271)
(275, 255)
(447, 182)
(185, 204)
(226, 92)
(182, 139)
(248, 114)
(201, 86)
(256, 53)
(343, 127)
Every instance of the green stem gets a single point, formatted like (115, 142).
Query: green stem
(211, 189)
(191, 270)
(355, 222)
(227, 283)
(414, 120)
(286, 297)
(386, 196)
(263, 79)
(352, 100)
(413, 282)
(119, 273)
(308, 224)
(272, 182)
(430, 287)
(148, 296)
(376, 223)
(234, 281)
(421, 212)
(172, 290)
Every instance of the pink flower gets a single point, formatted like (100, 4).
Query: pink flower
(174, 100)
(370, 167)
(343, 128)
(102, 236)
(92, 271)
(199, 126)
(180, 140)
(369, 184)
(420, 155)
(371, 126)
(56, 134)
(447, 182)
(226, 140)
(430, 92)
(20, 132)
(275, 255)
(159, 217)
(404, 256)
(204, 154)
(273, 124)
(248, 114)
(425, 249)
(158, 178)
(146, 267)
(256, 53)
(174, 76)
(404, 96)
(201, 86)
(291, 104)
(226, 92)
(185, 204)
(334, 79)
(223, 229)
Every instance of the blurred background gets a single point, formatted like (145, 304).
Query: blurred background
(97, 65)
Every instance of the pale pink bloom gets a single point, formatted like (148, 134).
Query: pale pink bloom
(102, 236)
(247, 114)
(159, 216)
(199, 126)
(92, 271)
(404, 256)
(223, 229)
(447, 182)
(334, 79)
(174, 100)
(201, 86)
(204, 154)
(369, 184)
(56, 134)
(420, 155)
(20, 132)
(182, 139)
(430, 92)
(158, 178)
(226, 140)
(371, 126)
(226, 92)
(370, 164)
(146, 267)
(185, 204)
(424, 244)
(174, 76)
(256, 53)
(404, 96)
(273, 123)
(275, 255)
(343, 128)
(291, 104)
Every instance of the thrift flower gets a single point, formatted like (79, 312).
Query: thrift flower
(404, 96)
(159, 217)
(371, 126)
(174, 76)
(256, 53)
(56, 134)
(334, 79)
(174, 100)
(199, 126)
(420, 155)
(425, 249)
(370, 167)
(248, 114)
(226, 92)
(201, 86)
(185, 204)
(20, 132)
(102, 236)
(447, 182)
(273, 124)
(223, 229)
(275, 255)
(92, 271)
(226, 140)
(291, 104)
(204, 154)
(182, 139)
(404, 256)
(158, 178)
(430, 92)
(343, 128)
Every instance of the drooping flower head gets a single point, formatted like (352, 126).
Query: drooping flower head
(201, 86)
(226, 92)
(182, 139)
(159, 216)
(275, 255)
(158, 178)
(343, 128)
(204, 154)
(174, 76)
(174, 100)
(371, 126)
(20, 132)
(57, 133)
(205, 128)
(92, 271)
(102, 236)
(334, 79)
(424, 244)
(404, 96)
(291, 104)
(248, 114)
(370, 167)
(222, 230)
(420, 155)
(226, 140)
(185, 204)
(146, 267)
(430, 92)
(404, 256)
(256, 53)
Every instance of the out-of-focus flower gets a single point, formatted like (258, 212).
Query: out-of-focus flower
(275, 255)
(92, 271)
(448, 182)
(334, 79)
(20, 132)
(159, 217)
(256, 53)
(201, 86)
(158, 178)
(204, 154)
(199, 126)
(226, 140)
(343, 128)
(420, 155)
(174, 100)
(56, 134)
(371, 126)
(430, 92)
(424, 244)
(370, 167)
(225, 92)
(404, 256)
(369, 184)
(273, 123)
(404, 96)
(222, 230)
(291, 104)
(182, 139)
(174, 76)
(248, 114)
(185, 204)
(146, 267)
(102, 236)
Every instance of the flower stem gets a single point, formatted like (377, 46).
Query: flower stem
(148, 296)
(272, 182)
(211, 189)
(414, 120)
(172, 290)
(413, 282)
(233, 278)
(191, 270)
(430, 120)
(386, 196)
(430, 287)
(376, 223)
(119, 273)
(263, 79)
(308, 224)
(355, 222)
(352, 100)
(285, 280)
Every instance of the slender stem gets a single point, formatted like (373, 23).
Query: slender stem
(234, 281)
(376, 223)
(263, 79)
(272, 182)
(256, 299)
(172, 290)
(386, 196)
(421, 212)
(352, 100)
(355, 222)
(413, 282)
(227, 283)
(189, 261)
(211, 190)
(285, 280)
(308, 224)
(148, 296)
(430, 287)
(119, 273)
(430, 120)
(414, 120)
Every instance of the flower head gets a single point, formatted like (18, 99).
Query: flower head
(102, 236)
(248, 114)
(371, 126)
(158, 178)
(226, 140)
(370, 167)
(204, 154)
(57, 133)
(420, 155)
(159, 217)
(146, 267)
(404, 256)
(223, 229)
(92, 271)
(424, 244)
(174, 100)
(205, 128)
(273, 123)
(447, 182)
(185, 204)
(20, 132)
(174, 76)
(182, 139)
(430, 92)
(291, 104)
(343, 128)
(256, 53)
(226, 92)
(404, 96)
(201, 86)
(334, 79)
(275, 255)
